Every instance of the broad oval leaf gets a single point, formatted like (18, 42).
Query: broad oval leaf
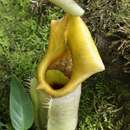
(21, 110)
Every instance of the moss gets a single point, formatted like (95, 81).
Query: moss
(22, 41)
(103, 105)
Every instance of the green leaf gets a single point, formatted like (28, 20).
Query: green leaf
(21, 111)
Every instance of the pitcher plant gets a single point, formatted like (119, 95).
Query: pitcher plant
(71, 58)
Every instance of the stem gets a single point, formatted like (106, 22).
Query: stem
(69, 6)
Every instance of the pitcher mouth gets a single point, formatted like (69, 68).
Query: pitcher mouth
(57, 86)
(61, 66)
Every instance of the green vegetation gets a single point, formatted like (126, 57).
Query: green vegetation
(23, 40)
(21, 108)
(105, 103)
